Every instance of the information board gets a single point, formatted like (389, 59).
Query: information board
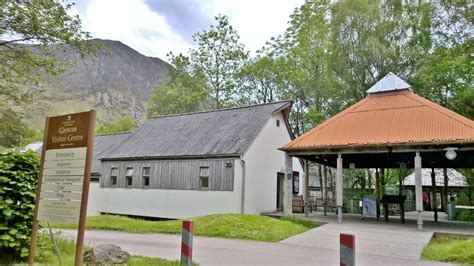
(63, 183)
(369, 206)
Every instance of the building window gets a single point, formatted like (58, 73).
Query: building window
(128, 176)
(146, 177)
(113, 176)
(204, 177)
(278, 122)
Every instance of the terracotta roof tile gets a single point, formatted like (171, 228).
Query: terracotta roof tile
(394, 117)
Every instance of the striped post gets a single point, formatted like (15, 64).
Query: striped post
(187, 243)
(347, 250)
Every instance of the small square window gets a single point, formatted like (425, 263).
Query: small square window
(129, 176)
(146, 177)
(278, 122)
(204, 177)
(204, 171)
(146, 171)
(113, 176)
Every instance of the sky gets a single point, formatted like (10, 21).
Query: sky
(156, 27)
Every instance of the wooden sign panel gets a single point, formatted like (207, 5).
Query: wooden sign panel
(63, 184)
(64, 163)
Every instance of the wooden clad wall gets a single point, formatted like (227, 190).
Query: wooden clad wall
(173, 174)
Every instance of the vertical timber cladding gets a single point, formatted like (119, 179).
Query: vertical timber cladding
(173, 174)
(64, 170)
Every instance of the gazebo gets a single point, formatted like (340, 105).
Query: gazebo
(391, 127)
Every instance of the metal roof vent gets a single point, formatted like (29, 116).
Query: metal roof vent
(389, 83)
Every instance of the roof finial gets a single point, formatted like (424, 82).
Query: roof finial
(390, 82)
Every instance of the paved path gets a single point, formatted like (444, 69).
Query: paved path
(310, 248)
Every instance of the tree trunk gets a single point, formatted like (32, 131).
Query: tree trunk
(382, 181)
(369, 178)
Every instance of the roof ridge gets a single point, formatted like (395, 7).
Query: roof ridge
(114, 133)
(443, 109)
(219, 110)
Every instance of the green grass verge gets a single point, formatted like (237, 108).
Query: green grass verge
(45, 255)
(235, 226)
(450, 249)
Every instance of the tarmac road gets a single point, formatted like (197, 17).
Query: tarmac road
(298, 250)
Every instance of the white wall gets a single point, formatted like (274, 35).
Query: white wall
(167, 203)
(263, 161)
(93, 201)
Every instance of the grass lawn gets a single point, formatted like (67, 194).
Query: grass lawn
(45, 255)
(450, 249)
(237, 226)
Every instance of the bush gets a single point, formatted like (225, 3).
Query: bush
(18, 179)
(465, 215)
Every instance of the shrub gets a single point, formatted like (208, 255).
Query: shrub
(464, 214)
(18, 178)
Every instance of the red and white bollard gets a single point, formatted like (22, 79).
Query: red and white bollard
(347, 250)
(187, 243)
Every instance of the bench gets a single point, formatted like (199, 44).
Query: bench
(298, 204)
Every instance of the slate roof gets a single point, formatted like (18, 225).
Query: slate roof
(102, 143)
(214, 133)
(455, 179)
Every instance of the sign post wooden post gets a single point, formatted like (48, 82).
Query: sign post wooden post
(63, 182)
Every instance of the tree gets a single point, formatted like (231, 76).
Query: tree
(184, 90)
(333, 51)
(124, 124)
(219, 56)
(12, 129)
(42, 23)
(260, 81)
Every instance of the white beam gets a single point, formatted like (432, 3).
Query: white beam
(418, 190)
(287, 191)
(339, 188)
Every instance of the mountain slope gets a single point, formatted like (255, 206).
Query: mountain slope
(116, 82)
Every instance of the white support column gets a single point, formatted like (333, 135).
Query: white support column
(418, 190)
(324, 185)
(306, 187)
(339, 188)
(287, 191)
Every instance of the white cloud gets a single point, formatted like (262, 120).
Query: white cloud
(257, 21)
(133, 23)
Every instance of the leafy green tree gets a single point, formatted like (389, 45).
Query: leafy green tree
(42, 23)
(260, 81)
(124, 124)
(18, 180)
(184, 91)
(12, 129)
(333, 51)
(219, 56)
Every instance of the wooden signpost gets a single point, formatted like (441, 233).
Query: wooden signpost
(63, 182)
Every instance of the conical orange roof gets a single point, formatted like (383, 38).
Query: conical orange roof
(394, 117)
